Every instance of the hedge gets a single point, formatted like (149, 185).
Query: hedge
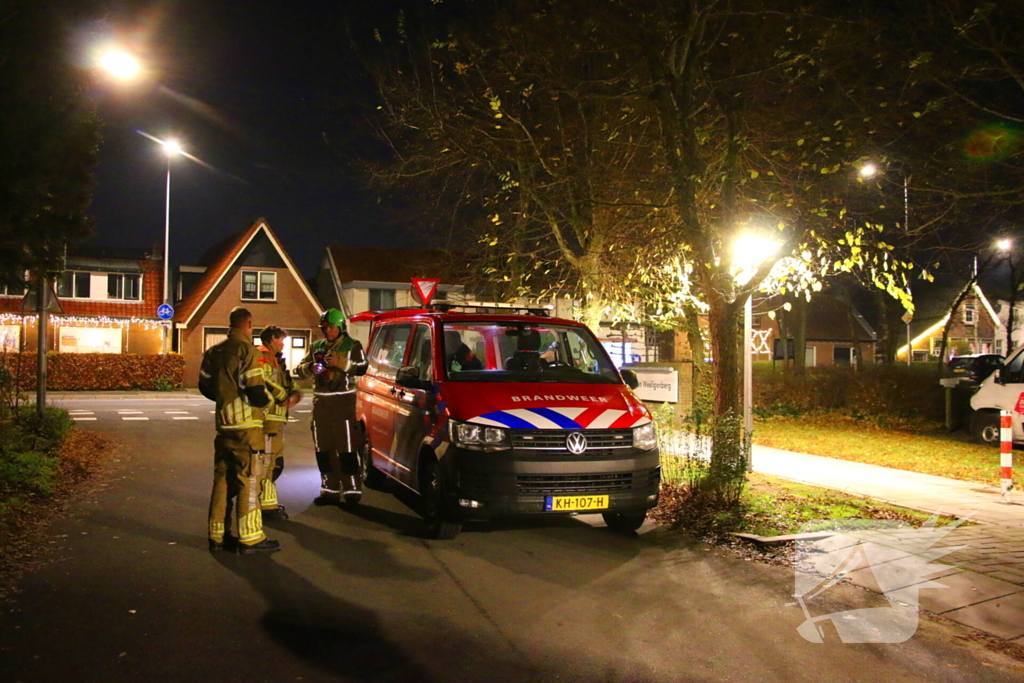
(893, 390)
(98, 371)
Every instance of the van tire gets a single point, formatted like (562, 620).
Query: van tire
(372, 477)
(624, 522)
(985, 427)
(441, 522)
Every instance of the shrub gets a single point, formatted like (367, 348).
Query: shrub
(872, 390)
(99, 371)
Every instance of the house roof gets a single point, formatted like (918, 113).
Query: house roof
(933, 301)
(388, 264)
(221, 266)
(829, 318)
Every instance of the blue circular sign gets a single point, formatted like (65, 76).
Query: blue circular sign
(165, 311)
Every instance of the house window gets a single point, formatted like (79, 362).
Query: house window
(969, 314)
(755, 321)
(999, 347)
(13, 290)
(382, 300)
(259, 285)
(73, 285)
(10, 338)
(89, 340)
(124, 287)
(936, 344)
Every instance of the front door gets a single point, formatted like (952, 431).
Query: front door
(414, 410)
(387, 352)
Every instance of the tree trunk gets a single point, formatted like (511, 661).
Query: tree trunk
(697, 352)
(724, 320)
(799, 318)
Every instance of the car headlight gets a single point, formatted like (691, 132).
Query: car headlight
(478, 437)
(644, 437)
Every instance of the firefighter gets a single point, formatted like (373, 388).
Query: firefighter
(231, 376)
(279, 384)
(335, 361)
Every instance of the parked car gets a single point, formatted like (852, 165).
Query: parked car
(1001, 390)
(973, 369)
(487, 415)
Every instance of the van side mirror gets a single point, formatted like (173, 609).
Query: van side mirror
(409, 377)
(630, 378)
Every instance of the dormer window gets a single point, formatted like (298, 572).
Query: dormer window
(970, 314)
(258, 285)
(74, 285)
(123, 287)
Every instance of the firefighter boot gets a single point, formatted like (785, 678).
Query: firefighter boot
(353, 488)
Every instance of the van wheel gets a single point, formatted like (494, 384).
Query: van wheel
(372, 477)
(624, 522)
(985, 428)
(441, 523)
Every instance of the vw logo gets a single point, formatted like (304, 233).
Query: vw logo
(576, 443)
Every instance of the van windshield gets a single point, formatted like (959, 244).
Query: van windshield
(524, 352)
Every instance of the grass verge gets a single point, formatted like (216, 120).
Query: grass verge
(771, 506)
(916, 446)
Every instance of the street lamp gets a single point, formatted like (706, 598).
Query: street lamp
(870, 170)
(172, 149)
(120, 65)
(1006, 246)
(749, 251)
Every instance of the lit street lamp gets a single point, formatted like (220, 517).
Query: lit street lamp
(120, 65)
(171, 149)
(870, 170)
(749, 251)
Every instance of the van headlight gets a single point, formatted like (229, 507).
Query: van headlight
(478, 437)
(644, 437)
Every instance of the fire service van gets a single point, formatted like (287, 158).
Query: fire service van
(488, 412)
(1001, 390)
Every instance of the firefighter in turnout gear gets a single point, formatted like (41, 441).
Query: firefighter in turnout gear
(231, 376)
(279, 384)
(335, 362)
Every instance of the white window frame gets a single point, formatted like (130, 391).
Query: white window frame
(121, 288)
(261, 276)
(970, 309)
(75, 273)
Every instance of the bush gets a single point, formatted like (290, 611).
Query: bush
(29, 446)
(99, 371)
(868, 391)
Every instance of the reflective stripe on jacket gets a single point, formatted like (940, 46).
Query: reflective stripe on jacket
(228, 368)
(279, 384)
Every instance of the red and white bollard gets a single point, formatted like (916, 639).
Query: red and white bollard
(1006, 455)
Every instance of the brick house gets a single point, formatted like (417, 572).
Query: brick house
(975, 329)
(835, 332)
(250, 269)
(106, 303)
(356, 279)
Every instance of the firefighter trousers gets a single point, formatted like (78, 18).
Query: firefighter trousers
(273, 463)
(335, 466)
(237, 463)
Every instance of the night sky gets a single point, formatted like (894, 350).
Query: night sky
(251, 88)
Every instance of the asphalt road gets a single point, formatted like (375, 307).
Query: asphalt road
(130, 592)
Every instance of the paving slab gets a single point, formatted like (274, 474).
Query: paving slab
(1003, 617)
(960, 590)
(865, 578)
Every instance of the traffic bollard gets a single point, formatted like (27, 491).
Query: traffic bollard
(1006, 455)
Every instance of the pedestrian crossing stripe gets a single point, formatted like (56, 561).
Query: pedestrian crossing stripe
(185, 417)
(128, 417)
(175, 412)
(82, 418)
(129, 412)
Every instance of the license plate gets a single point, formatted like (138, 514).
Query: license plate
(575, 503)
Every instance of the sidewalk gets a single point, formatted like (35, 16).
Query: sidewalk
(984, 581)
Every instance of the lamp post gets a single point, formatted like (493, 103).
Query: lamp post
(749, 251)
(1006, 246)
(171, 149)
(870, 170)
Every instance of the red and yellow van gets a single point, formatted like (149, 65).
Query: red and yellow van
(490, 414)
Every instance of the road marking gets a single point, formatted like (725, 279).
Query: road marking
(126, 417)
(80, 412)
(212, 412)
(176, 412)
(78, 418)
(129, 412)
(303, 411)
(190, 417)
(292, 419)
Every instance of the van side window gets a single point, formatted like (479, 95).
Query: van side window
(422, 354)
(388, 350)
(1012, 374)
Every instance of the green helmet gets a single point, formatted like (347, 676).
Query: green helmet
(332, 316)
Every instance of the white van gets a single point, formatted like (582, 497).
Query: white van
(1002, 390)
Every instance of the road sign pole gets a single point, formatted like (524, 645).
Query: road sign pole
(1005, 456)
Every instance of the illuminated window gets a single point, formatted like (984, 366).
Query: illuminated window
(969, 314)
(259, 285)
(10, 338)
(89, 340)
